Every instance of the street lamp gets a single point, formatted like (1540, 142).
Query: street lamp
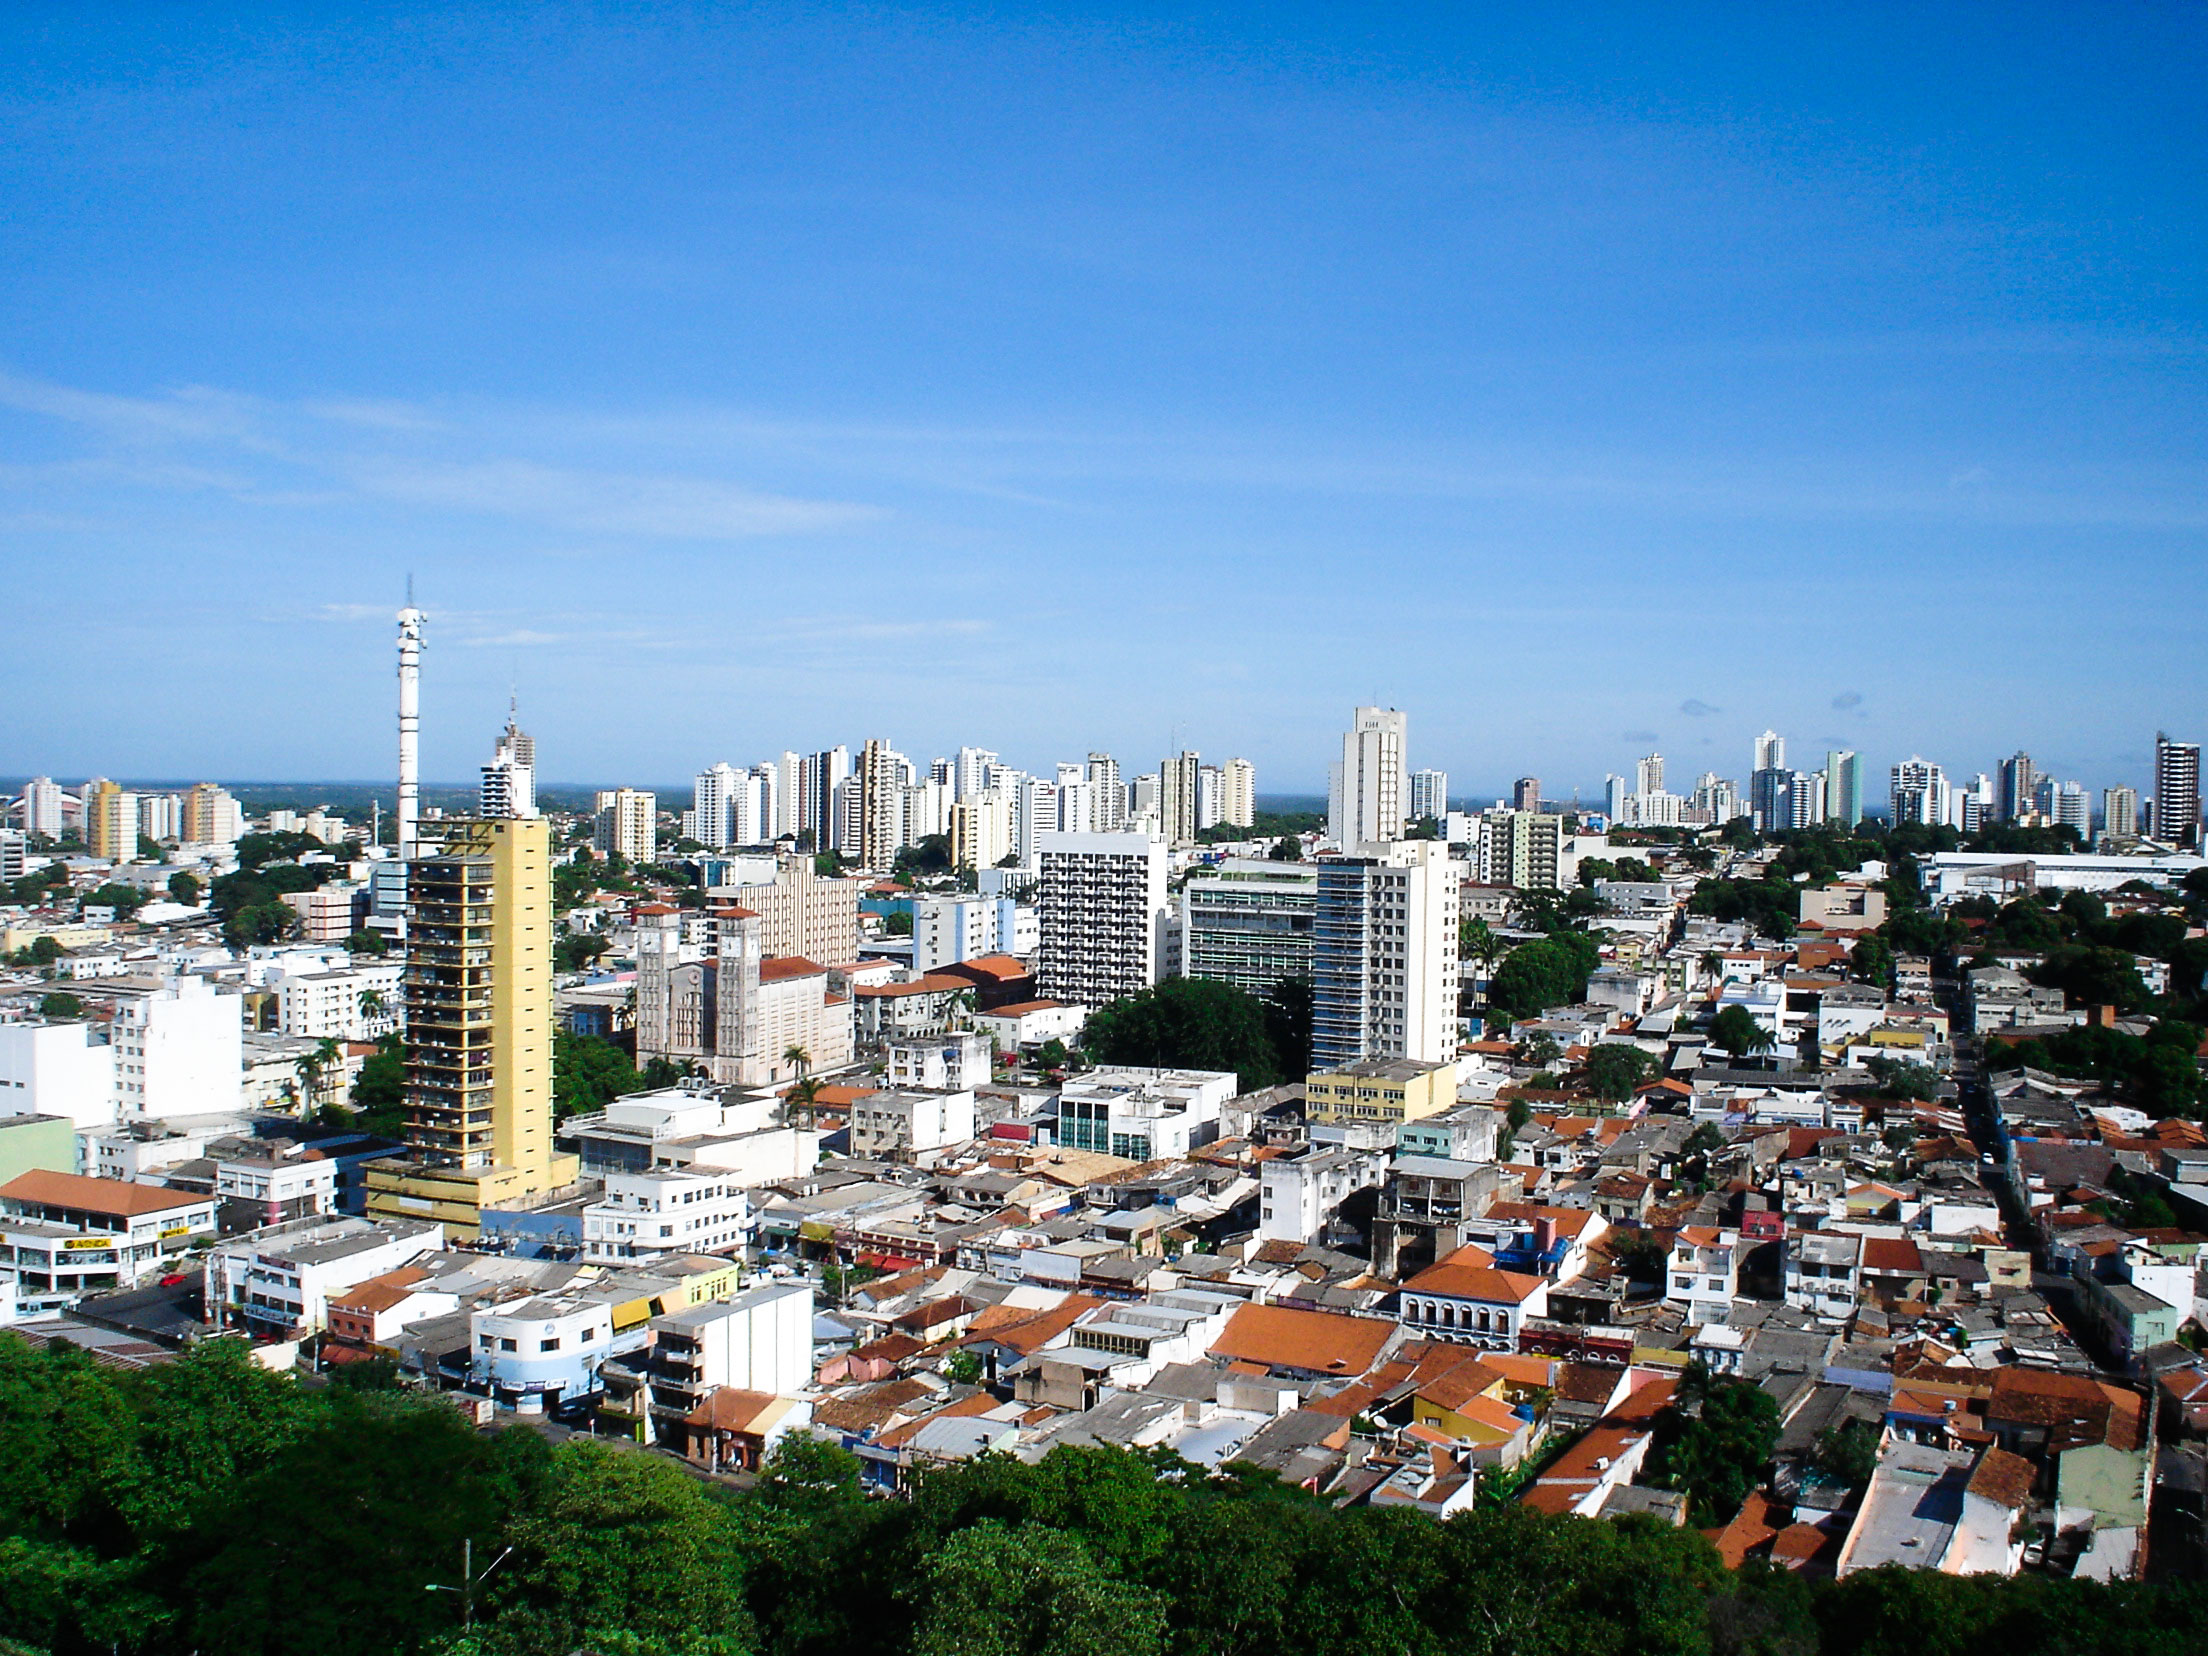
(469, 1580)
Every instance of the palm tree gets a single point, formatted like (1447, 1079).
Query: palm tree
(805, 1096)
(371, 1003)
(798, 1059)
(1713, 964)
(312, 1066)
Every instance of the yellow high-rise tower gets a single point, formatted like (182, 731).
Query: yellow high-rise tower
(479, 1019)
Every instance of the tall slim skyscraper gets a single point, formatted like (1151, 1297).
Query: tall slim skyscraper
(1238, 793)
(1429, 795)
(1525, 794)
(2176, 790)
(1368, 789)
(881, 805)
(1648, 774)
(410, 725)
(2019, 782)
(479, 1028)
(1180, 781)
(1770, 751)
(110, 820)
(1919, 793)
(1108, 795)
(1843, 788)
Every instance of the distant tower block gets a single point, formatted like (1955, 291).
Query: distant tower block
(410, 726)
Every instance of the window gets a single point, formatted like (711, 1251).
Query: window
(552, 1344)
(509, 1345)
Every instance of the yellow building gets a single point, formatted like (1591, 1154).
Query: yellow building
(1380, 1089)
(479, 1019)
(110, 820)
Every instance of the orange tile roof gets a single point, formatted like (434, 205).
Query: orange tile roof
(115, 1197)
(1000, 966)
(1476, 1282)
(1023, 1329)
(1318, 1342)
(379, 1293)
(1579, 1469)
(775, 968)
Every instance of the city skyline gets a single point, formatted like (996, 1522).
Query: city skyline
(1131, 379)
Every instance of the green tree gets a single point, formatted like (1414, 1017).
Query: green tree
(898, 923)
(379, 1090)
(1614, 1069)
(1713, 1443)
(125, 900)
(1289, 1008)
(1286, 849)
(60, 1006)
(2089, 976)
(184, 887)
(588, 1073)
(1736, 1031)
(1549, 971)
(368, 943)
(1187, 1023)
(990, 1590)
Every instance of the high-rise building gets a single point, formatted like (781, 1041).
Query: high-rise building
(212, 816)
(2070, 806)
(1384, 956)
(1770, 751)
(1142, 802)
(1919, 793)
(1717, 800)
(2120, 812)
(627, 824)
(1525, 794)
(1771, 794)
(1238, 793)
(1367, 789)
(2176, 790)
(1209, 788)
(1248, 922)
(1648, 774)
(42, 807)
(882, 773)
(479, 1015)
(1101, 905)
(1108, 797)
(510, 779)
(1843, 801)
(110, 820)
(1429, 795)
(1524, 849)
(1179, 780)
(161, 816)
(2019, 782)
(712, 796)
(970, 774)
(982, 830)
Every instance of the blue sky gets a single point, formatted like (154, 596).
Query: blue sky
(737, 378)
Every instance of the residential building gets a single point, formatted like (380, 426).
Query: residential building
(1180, 780)
(2176, 790)
(1390, 1091)
(946, 1063)
(882, 778)
(760, 1344)
(1525, 794)
(327, 913)
(2120, 812)
(1526, 850)
(1238, 793)
(949, 929)
(1704, 1273)
(110, 820)
(479, 1014)
(510, 779)
(983, 829)
(179, 1047)
(59, 1068)
(1429, 795)
(41, 807)
(627, 825)
(1384, 955)
(900, 1125)
(2019, 780)
(1299, 1194)
(1367, 790)
(362, 1003)
(258, 1191)
(1108, 798)
(1102, 901)
(800, 911)
(1465, 1300)
(1247, 921)
(1843, 802)
(1920, 793)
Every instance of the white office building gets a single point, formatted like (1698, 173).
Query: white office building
(664, 1212)
(58, 1069)
(1429, 795)
(42, 807)
(179, 1048)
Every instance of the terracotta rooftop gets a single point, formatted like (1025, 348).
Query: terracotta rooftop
(1475, 1282)
(1317, 1342)
(776, 968)
(117, 1198)
(2002, 1478)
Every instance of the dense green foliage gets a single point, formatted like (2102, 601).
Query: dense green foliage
(207, 1505)
(2157, 1072)
(1614, 1069)
(1196, 1023)
(379, 1091)
(1735, 1030)
(588, 1074)
(1549, 971)
(1713, 1443)
(1272, 825)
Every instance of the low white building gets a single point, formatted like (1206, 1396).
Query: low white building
(1025, 1025)
(897, 1124)
(1704, 1273)
(663, 1213)
(760, 1341)
(533, 1355)
(258, 1191)
(279, 1281)
(1299, 1194)
(69, 1236)
(699, 1125)
(944, 1063)
(359, 1004)
(1143, 1114)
